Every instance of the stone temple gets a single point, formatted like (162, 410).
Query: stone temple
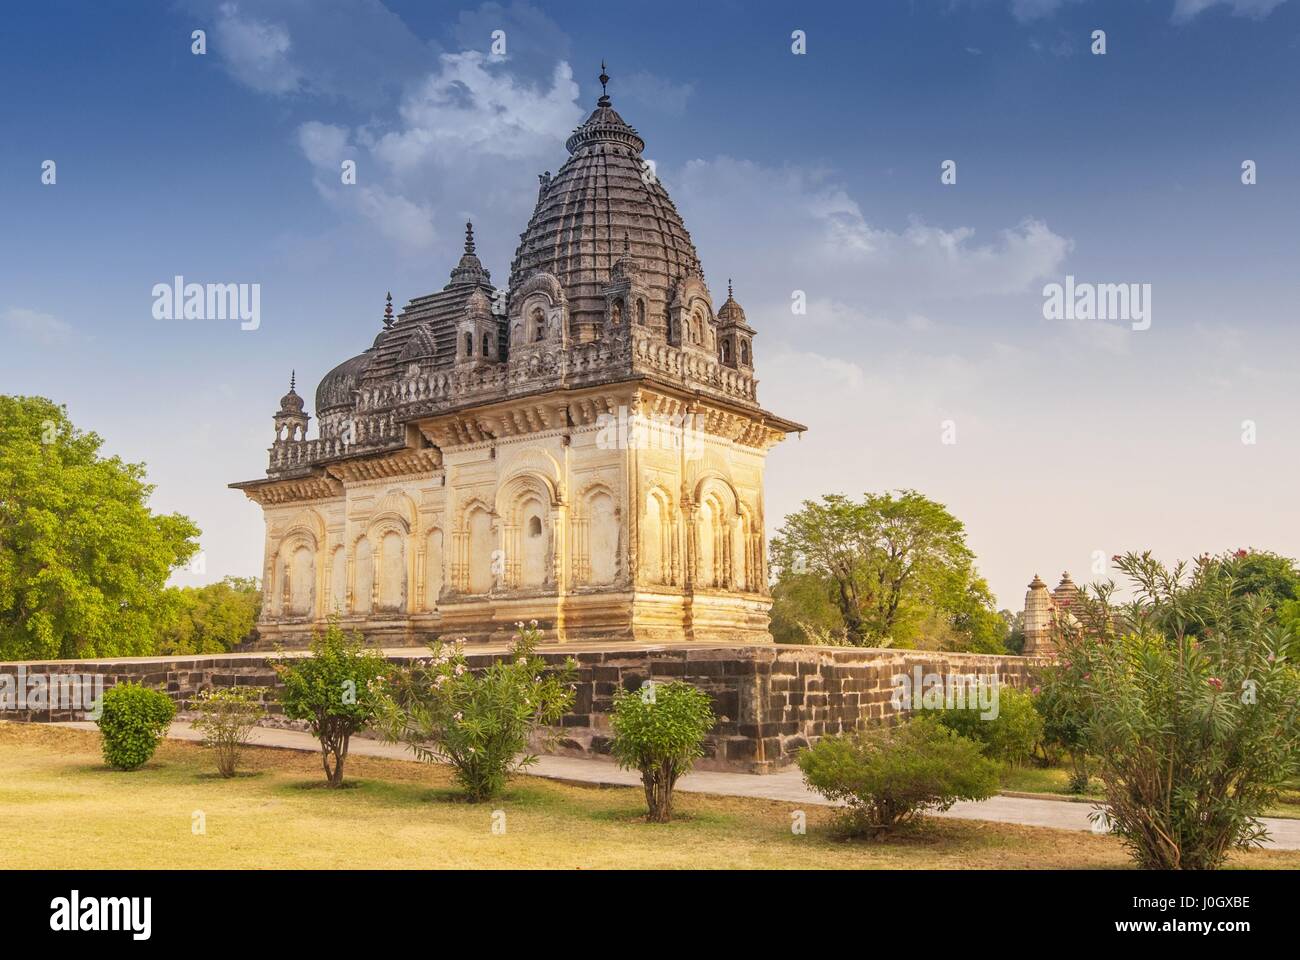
(584, 447)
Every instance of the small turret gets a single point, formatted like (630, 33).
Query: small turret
(290, 420)
(735, 335)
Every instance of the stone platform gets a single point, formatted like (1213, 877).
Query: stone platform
(771, 699)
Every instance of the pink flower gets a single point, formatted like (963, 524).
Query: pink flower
(1037, 690)
(1215, 682)
(1087, 676)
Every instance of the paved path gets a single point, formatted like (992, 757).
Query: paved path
(786, 786)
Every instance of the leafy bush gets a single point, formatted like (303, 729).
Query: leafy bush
(481, 723)
(888, 775)
(132, 722)
(226, 717)
(213, 618)
(337, 690)
(659, 730)
(1063, 709)
(1193, 735)
(1011, 736)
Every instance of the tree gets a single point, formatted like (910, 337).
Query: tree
(83, 560)
(213, 618)
(888, 566)
(659, 731)
(1193, 732)
(337, 690)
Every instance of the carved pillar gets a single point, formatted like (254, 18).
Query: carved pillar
(376, 554)
(420, 602)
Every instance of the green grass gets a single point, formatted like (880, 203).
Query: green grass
(61, 807)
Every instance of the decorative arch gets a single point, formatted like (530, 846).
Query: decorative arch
(296, 565)
(658, 554)
(526, 504)
(598, 539)
(474, 564)
(717, 509)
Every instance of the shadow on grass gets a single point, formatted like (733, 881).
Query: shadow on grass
(682, 818)
(212, 775)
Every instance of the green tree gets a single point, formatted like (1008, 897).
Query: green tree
(659, 731)
(83, 560)
(213, 618)
(893, 568)
(337, 690)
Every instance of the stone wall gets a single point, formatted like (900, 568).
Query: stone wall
(771, 700)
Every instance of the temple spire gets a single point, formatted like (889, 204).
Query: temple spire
(604, 81)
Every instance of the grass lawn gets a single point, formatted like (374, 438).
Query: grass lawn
(1056, 780)
(61, 807)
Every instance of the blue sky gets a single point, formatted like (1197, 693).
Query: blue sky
(815, 172)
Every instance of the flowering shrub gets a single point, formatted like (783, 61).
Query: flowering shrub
(659, 730)
(1189, 705)
(226, 717)
(338, 690)
(481, 723)
(132, 722)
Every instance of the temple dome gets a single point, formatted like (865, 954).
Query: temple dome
(291, 402)
(601, 194)
(731, 313)
(336, 387)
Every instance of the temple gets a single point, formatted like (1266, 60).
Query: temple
(1043, 608)
(584, 447)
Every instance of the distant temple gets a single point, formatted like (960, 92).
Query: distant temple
(1042, 608)
(584, 448)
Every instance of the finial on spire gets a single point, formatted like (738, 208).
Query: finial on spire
(604, 80)
(293, 378)
(729, 296)
(469, 237)
(388, 310)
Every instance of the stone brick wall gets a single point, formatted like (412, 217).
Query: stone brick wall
(771, 700)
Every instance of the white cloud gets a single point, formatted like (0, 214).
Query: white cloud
(470, 108)
(1185, 10)
(404, 222)
(256, 52)
(462, 144)
(43, 329)
(813, 232)
(353, 50)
